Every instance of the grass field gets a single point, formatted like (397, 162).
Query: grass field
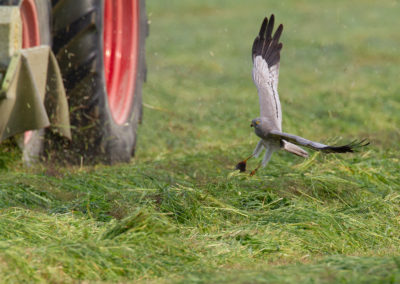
(179, 213)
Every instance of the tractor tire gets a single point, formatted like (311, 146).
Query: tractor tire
(100, 48)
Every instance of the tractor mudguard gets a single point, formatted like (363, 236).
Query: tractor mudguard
(32, 75)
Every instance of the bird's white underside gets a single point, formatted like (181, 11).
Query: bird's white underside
(266, 80)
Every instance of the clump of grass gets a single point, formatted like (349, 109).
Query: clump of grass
(234, 223)
(9, 154)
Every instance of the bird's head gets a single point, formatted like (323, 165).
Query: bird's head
(256, 123)
(261, 126)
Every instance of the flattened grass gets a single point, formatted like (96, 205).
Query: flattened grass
(178, 212)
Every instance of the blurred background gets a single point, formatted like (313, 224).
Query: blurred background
(338, 76)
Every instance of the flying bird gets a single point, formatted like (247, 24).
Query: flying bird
(266, 57)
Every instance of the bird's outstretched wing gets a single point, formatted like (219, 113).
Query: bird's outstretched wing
(266, 56)
(277, 135)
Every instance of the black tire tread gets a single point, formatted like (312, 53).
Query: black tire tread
(96, 138)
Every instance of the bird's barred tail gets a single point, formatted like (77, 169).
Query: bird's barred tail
(294, 149)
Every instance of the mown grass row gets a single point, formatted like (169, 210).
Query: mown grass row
(139, 222)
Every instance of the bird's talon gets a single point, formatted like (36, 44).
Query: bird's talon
(253, 172)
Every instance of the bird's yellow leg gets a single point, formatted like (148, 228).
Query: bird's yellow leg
(253, 172)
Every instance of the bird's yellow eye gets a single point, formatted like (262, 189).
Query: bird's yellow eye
(257, 122)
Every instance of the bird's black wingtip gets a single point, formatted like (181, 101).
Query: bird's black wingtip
(267, 44)
(348, 148)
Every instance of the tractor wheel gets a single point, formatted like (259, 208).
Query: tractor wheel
(35, 16)
(100, 48)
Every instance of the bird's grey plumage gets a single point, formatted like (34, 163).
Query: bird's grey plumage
(277, 137)
(315, 145)
(266, 58)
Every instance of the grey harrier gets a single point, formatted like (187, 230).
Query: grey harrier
(266, 56)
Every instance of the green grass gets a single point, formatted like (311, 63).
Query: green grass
(178, 212)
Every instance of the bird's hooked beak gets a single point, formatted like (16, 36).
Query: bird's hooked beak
(252, 125)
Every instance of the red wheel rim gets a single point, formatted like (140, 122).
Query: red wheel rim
(120, 52)
(30, 24)
(30, 34)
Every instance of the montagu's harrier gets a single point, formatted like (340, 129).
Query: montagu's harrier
(266, 56)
